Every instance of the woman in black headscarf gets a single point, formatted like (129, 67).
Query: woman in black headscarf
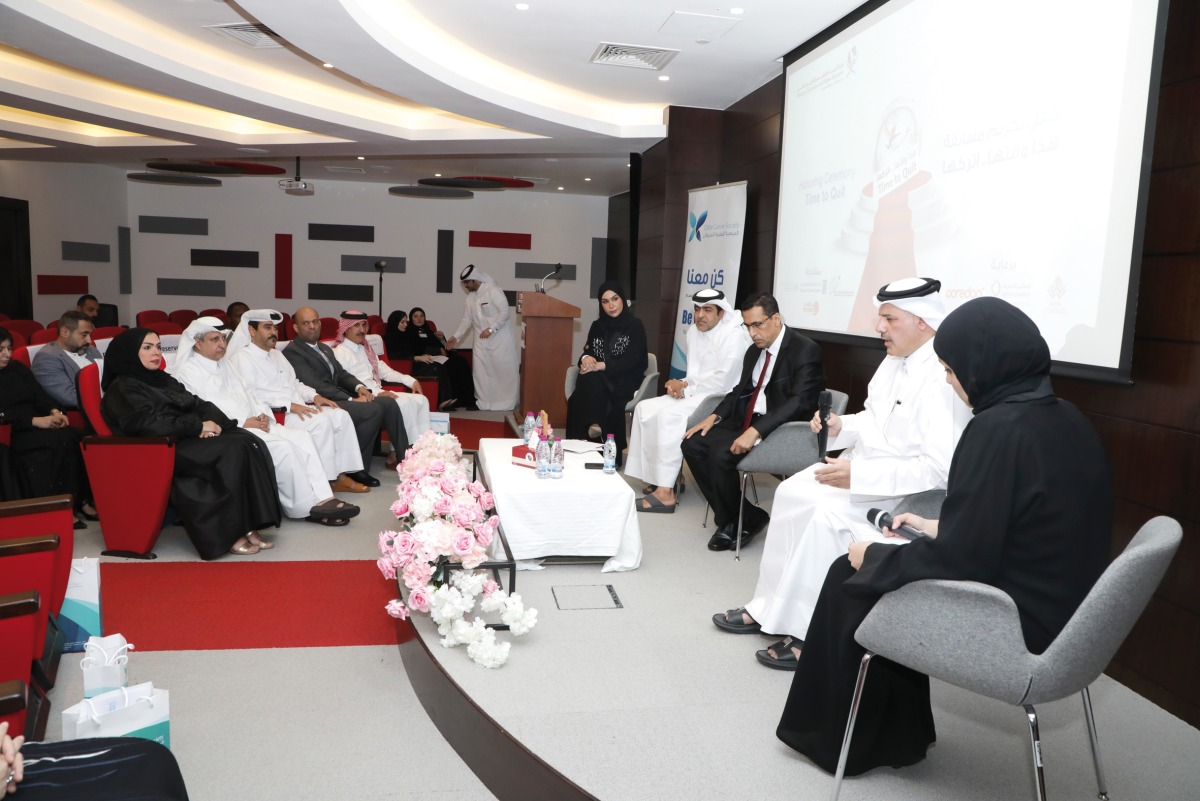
(1028, 510)
(421, 342)
(610, 369)
(44, 452)
(395, 343)
(224, 483)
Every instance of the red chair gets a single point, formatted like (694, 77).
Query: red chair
(132, 511)
(378, 329)
(52, 514)
(164, 327)
(21, 354)
(144, 318)
(182, 317)
(43, 336)
(374, 320)
(220, 315)
(4, 316)
(107, 332)
(26, 328)
(53, 325)
(329, 327)
(22, 706)
(29, 563)
(288, 329)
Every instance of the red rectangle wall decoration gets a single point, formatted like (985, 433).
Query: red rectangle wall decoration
(283, 265)
(499, 239)
(62, 284)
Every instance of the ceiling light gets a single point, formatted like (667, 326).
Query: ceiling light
(664, 77)
(327, 65)
(560, 189)
(522, 6)
(736, 11)
(362, 158)
(587, 179)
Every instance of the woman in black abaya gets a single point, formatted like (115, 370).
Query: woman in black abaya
(1028, 510)
(224, 484)
(418, 340)
(610, 369)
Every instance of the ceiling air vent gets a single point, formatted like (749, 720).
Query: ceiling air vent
(642, 58)
(250, 34)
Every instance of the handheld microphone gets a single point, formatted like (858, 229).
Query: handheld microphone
(881, 520)
(824, 404)
(542, 286)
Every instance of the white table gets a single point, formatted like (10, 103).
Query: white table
(584, 513)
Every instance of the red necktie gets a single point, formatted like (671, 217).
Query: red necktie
(757, 389)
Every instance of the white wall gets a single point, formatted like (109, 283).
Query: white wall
(87, 203)
(76, 203)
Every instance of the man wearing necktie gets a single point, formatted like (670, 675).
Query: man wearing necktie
(782, 377)
(898, 445)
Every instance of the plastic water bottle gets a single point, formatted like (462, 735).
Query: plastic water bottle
(543, 458)
(610, 455)
(557, 459)
(530, 425)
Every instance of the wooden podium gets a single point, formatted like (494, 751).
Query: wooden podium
(547, 355)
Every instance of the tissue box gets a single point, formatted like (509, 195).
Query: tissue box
(522, 456)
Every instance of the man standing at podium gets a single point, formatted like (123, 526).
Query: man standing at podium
(495, 366)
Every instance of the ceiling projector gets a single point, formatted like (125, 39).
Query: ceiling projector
(298, 187)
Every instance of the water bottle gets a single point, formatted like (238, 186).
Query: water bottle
(530, 425)
(610, 455)
(557, 459)
(543, 458)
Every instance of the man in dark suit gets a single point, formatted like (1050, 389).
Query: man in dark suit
(317, 366)
(782, 377)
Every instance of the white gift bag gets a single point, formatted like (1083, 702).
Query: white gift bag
(439, 422)
(80, 614)
(105, 664)
(138, 711)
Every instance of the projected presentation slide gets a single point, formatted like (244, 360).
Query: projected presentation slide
(996, 146)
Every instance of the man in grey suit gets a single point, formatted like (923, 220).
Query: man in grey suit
(56, 366)
(317, 366)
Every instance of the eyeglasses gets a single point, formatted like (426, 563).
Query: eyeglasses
(758, 325)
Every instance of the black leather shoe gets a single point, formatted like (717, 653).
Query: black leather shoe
(753, 531)
(363, 477)
(722, 540)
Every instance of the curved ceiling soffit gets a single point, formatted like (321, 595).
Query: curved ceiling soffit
(188, 62)
(441, 71)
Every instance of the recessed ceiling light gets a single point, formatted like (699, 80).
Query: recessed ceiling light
(437, 175)
(664, 77)
(560, 189)
(736, 11)
(587, 179)
(362, 158)
(522, 6)
(327, 65)
(702, 41)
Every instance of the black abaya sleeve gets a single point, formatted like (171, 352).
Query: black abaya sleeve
(133, 408)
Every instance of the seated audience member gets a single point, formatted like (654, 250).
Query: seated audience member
(898, 445)
(495, 363)
(316, 366)
(58, 363)
(233, 314)
(611, 369)
(418, 340)
(45, 451)
(1028, 510)
(359, 358)
(269, 379)
(92, 769)
(224, 485)
(716, 342)
(394, 344)
(781, 379)
(88, 306)
(299, 475)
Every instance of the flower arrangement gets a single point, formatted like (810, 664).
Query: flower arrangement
(446, 519)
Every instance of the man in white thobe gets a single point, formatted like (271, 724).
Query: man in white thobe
(355, 353)
(303, 489)
(270, 379)
(495, 366)
(716, 343)
(899, 445)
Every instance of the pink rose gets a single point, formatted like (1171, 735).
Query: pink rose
(463, 544)
(396, 608)
(419, 599)
(475, 488)
(464, 515)
(450, 484)
(483, 535)
(489, 587)
(443, 506)
(385, 540)
(400, 508)
(404, 543)
(487, 502)
(387, 569)
(475, 558)
(417, 574)
(437, 467)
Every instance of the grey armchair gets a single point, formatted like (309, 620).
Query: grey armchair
(968, 634)
(647, 389)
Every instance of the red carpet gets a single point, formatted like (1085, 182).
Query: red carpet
(470, 431)
(179, 606)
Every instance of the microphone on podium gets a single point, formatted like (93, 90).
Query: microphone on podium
(881, 520)
(824, 404)
(557, 269)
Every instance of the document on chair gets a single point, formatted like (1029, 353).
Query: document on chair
(580, 446)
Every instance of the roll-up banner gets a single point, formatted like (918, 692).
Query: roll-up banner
(712, 255)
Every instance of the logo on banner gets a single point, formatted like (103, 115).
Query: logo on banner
(695, 224)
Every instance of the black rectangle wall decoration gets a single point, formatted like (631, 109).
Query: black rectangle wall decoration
(224, 258)
(190, 226)
(341, 233)
(195, 287)
(536, 270)
(341, 292)
(445, 261)
(85, 251)
(366, 264)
